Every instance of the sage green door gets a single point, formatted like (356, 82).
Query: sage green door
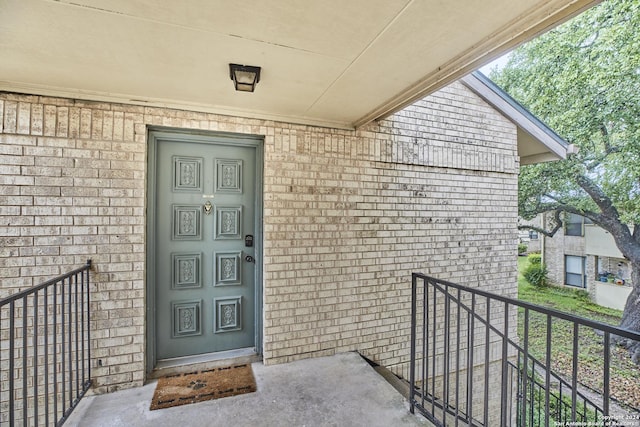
(205, 220)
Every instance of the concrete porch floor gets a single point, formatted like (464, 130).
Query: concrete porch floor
(340, 390)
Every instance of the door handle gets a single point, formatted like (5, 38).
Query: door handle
(249, 258)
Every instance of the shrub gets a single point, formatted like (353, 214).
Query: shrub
(583, 295)
(522, 248)
(535, 259)
(536, 274)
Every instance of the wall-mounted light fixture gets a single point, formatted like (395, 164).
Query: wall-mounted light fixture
(245, 77)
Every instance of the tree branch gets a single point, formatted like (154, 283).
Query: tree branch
(605, 138)
(599, 197)
(561, 206)
(610, 219)
(558, 226)
(597, 160)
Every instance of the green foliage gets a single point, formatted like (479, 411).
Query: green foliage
(522, 248)
(583, 80)
(624, 373)
(536, 274)
(583, 295)
(535, 259)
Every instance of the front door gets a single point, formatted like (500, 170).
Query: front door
(205, 226)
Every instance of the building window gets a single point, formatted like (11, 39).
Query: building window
(574, 267)
(574, 225)
(533, 235)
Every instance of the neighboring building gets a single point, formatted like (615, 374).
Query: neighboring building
(584, 255)
(608, 272)
(531, 238)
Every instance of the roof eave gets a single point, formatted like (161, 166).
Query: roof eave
(557, 147)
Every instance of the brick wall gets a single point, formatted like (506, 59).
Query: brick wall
(348, 215)
(555, 249)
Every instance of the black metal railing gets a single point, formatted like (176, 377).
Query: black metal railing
(45, 350)
(474, 361)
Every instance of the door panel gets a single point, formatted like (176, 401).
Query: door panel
(204, 273)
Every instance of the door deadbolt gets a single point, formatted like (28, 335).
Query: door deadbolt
(249, 258)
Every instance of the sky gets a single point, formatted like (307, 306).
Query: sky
(499, 63)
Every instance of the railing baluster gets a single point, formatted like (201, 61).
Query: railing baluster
(55, 350)
(457, 398)
(525, 372)
(447, 353)
(76, 331)
(64, 343)
(547, 372)
(471, 334)
(70, 341)
(433, 354)
(12, 357)
(88, 322)
(518, 373)
(25, 350)
(607, 361)
(82, 332)
(412, 367)
(35, 358)
(46, 356)
(425, 338)
(574, 376)
(504, 382)
(487, 344)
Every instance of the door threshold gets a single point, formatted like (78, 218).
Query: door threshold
(198, 362)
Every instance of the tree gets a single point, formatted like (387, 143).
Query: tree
(583, 79)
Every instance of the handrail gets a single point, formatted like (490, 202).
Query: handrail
(464, 344)
(45, 355)
(43, 285)
(614, 330)
(517, 346)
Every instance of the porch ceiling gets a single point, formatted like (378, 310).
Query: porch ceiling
(332, 62)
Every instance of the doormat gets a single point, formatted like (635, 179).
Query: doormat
(182, 389)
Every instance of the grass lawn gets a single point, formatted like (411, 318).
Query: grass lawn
(625, 376)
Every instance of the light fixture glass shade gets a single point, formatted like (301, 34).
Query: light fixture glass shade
(244, 77)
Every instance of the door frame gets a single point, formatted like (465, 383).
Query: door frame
(154, 135)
